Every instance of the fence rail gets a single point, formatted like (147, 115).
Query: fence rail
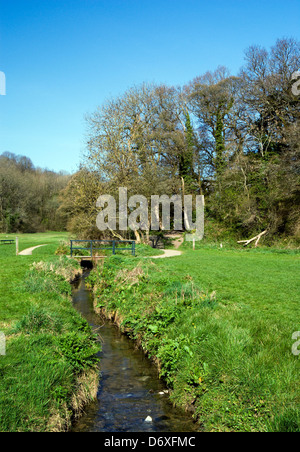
(93, 246)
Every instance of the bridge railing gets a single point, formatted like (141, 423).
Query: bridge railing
(93, 245)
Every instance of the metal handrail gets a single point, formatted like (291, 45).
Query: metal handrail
(91, 248)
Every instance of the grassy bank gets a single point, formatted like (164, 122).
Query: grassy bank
(219, 325)
(49, 370)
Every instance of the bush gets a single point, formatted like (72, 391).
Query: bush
(63, 249)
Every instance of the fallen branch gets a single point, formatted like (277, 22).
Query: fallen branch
(257, 238)
(115, 234)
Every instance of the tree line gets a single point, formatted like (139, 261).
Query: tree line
(234, 139)
(29, 196)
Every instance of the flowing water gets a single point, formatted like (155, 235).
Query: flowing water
(131, 397)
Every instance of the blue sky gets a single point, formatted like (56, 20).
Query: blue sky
(63, 58)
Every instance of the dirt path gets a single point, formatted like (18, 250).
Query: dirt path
(28, 251)
(167, 253)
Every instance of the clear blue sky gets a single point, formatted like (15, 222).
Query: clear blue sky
(62, 58)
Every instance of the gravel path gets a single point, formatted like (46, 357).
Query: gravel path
(167, 253)
(28, 251)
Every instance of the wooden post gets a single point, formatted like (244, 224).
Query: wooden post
(17, 246)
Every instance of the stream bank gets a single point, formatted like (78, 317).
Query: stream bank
(131, 397)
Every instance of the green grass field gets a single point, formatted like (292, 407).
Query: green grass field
(48, 344)
(220, 323)
(50, 349)
(14, 269)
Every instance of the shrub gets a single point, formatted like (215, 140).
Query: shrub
(63, 249)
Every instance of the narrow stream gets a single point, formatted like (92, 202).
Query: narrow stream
(129, 390)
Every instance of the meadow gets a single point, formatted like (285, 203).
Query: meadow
(219, 325)
(50, 367)
(49, 370)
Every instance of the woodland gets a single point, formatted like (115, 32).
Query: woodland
(233, 138)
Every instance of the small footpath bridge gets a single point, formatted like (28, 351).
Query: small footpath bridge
(93, 247)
